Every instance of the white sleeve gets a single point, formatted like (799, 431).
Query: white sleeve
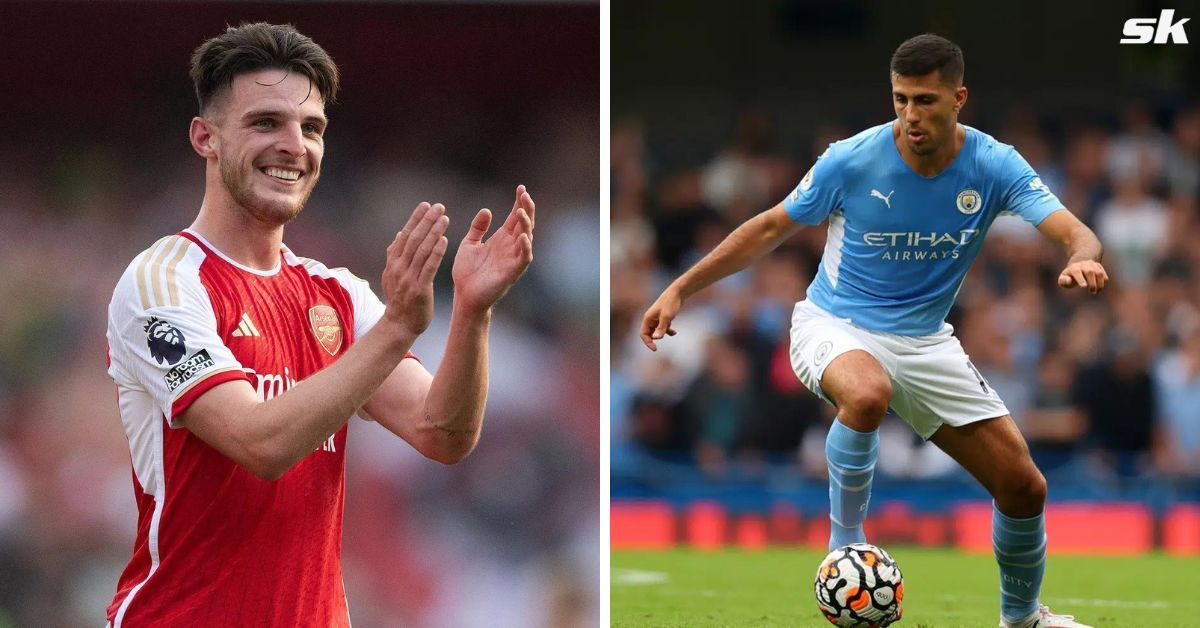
(162, 332)
(368, 309)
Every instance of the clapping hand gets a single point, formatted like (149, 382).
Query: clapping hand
(484, 270)
(413, 258)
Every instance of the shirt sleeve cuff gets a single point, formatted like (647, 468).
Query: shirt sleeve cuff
(193, 392)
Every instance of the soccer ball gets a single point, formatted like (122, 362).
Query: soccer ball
(859, 586)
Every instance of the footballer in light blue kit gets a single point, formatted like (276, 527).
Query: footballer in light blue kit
(908, 204)
(900, 243)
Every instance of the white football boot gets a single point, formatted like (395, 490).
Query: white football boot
(1043, 618)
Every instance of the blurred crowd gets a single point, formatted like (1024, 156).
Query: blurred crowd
(1105, 388)
(506, 538)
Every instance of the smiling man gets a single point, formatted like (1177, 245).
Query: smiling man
(238, 363)
(908, 203)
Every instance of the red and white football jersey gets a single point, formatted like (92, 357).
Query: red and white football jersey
(216, 545)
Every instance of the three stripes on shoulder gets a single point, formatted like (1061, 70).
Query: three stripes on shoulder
(156, 282)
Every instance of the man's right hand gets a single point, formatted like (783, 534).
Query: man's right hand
(750, 241)
(412, 261)
(657, 321)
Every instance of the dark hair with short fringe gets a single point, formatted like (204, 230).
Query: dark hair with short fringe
(250, 47)
(928, 53)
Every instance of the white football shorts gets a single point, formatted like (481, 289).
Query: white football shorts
(933, 380)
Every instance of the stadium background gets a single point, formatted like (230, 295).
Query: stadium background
(456, 103)
(718, 111)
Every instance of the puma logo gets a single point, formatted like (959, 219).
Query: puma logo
(886, 199)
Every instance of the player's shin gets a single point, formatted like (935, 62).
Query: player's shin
(1020, 547)
(850, 456)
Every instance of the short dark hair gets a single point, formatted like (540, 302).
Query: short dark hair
(927, 53)
(250, 47)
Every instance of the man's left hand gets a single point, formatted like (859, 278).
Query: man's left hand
(485, 270)
(1086, 274)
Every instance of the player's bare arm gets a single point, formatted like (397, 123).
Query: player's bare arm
(1083, 248)
(441, 415)
(268, 437)
(753, 239)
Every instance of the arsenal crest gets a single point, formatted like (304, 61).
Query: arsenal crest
(327, 327)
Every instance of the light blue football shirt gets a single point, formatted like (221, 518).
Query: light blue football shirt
(899, 244)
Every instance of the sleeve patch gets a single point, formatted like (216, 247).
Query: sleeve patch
(179, 375)
(165, 341)
(805, 183)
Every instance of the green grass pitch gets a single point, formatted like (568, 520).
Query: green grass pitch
(943, 588)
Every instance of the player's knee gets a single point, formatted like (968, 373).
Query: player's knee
(1036, 489)
(867, 404)
(1023, 494)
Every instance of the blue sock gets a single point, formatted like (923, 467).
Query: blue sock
(850, 456)
(1020, 546)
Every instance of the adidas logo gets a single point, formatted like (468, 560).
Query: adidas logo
(246, 327)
